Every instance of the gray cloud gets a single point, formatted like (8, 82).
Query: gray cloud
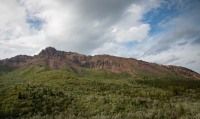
(171, 59)
(191, 62)
(103, 9)
(182, 43)
(91, 22)
(78, 25)
(171, 38)
(196, 41)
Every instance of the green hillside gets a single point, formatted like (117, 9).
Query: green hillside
(37, 92)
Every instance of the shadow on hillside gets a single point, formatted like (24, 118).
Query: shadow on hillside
(177, 86)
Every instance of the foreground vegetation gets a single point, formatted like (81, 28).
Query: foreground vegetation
(37, 93)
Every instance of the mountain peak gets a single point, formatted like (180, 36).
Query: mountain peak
(49, 51)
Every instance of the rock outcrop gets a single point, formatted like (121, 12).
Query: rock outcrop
(56, 59)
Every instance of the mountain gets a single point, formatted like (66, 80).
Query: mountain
(56, 59)
(66, 85)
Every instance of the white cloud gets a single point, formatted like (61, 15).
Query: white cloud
(80, 26)
(111, 48)
(135, 33)
(97, 26)
(178, 55)
(16, 36)
(12, 20)
(11, 14)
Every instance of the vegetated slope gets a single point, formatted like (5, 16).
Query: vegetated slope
(36, 92)
(55, 59)
(57, 84)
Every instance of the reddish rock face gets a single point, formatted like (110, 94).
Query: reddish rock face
(183, 71)
(16, 61)
(59, 59)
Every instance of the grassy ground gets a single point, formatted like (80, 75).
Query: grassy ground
(39, 93)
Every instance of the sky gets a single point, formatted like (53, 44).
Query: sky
(159, 31)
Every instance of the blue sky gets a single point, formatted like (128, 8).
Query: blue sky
(161, 14)
(35, 23)
(160, 31)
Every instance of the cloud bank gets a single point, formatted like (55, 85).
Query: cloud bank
(161, 31)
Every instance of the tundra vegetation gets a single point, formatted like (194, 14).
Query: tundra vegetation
(36, 92)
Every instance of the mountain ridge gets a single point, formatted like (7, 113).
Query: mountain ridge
(56, 59)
